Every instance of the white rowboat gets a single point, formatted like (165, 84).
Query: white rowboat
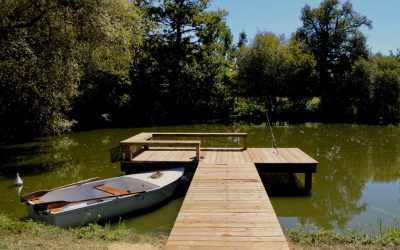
(89, 202)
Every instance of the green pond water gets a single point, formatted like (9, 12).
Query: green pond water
(357, 184)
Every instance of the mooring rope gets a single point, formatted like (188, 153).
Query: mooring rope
(272, 133)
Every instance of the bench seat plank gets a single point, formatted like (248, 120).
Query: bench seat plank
(111, 190)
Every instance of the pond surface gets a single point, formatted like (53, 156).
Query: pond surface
(357, 184)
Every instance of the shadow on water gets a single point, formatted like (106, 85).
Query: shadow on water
(283, 185)
(36, 157)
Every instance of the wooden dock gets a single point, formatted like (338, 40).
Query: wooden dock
(287, 160)
(226, 206)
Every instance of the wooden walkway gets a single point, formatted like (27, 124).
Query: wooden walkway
(223, 155)
(288, 160)
(226, 207)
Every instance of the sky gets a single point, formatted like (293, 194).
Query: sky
(283, 17)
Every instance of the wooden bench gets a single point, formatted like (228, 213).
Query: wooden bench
(139, 137)
(130, 146)
(179, 134)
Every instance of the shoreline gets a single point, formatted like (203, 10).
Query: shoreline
(17, 234)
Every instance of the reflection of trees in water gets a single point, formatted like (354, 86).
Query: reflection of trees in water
(344, 176)
(64, 152)
(38, 157)
(384, 154)
(336, 197)
(338, 185)
(43, 164)
(349, 156)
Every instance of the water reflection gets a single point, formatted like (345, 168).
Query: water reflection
(38, 157)
(349, 156)
(359, 167)
(18, 189)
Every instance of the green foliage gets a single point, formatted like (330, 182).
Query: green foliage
(385, 236)
(279, 74)
(37, 81)
(103, 99)
(46, 47)
(312, 105)
(377, 84)
(332, 32)
(184, 68)
(242, 39)
(249, 108)
(18, 234)
(326, 60)
(96, 63)
(95, 231)
(300, 72)
(261, 66)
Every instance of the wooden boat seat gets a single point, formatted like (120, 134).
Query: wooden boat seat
(55, 210)
(37, 201)
(111, 190)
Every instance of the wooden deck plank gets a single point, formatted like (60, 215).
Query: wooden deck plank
(228, 156)
(227, 238)
(202, 195)
(230, 216)
(214, 156)
(285, 155)
(186, 244)
(236, 220)
(231, 231)
(226, 206)
(252, 155)
(174, 154)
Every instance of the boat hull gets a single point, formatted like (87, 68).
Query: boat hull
(111, 207)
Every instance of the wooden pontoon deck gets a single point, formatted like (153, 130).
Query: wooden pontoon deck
(226, 206)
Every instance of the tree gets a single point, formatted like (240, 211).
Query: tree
(332, 32)
(300, 75)
(378, 89)
(261, 67)
(184, 66)
(271, 69)
(106, 57)
(45, 49)
(242, 39)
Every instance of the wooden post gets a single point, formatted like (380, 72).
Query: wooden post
(307, 181)
(245, 142)
(127, 151)
(127, 155)
(198, 152)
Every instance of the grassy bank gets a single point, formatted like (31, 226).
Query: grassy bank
(16, 234)
(28, 234)
(385, 238)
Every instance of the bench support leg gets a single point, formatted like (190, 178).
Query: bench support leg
(127, 151)
(198, 153)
